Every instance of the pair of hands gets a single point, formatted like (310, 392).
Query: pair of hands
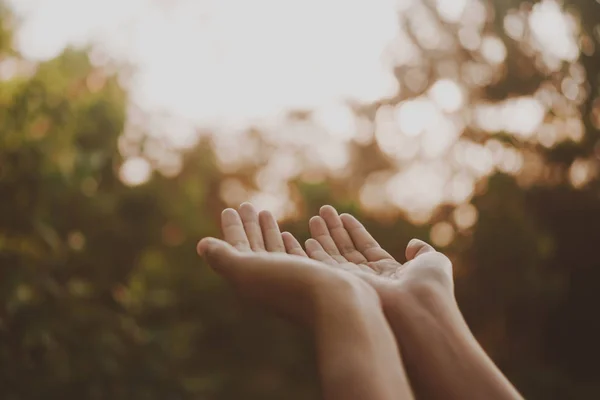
(362, 304)
(341, 261)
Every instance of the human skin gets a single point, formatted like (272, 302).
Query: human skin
(356, 350)
(442, 357)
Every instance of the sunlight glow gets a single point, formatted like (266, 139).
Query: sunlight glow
(554, 30)
(419, 188)
(135, 171)
(451, 10)
(413, 116)
(442, 234)
(354, 72)
(220, 62)
(582, 171)
(447, 95)
(521, 116)
(493, 49)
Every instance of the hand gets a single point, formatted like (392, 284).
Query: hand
(253, 259)
(356, 351)
(344, 243)
(419, 304)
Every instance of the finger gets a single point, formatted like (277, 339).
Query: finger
(219, 254)
(317, 252)
(417, 247)
(319, 232)
(292, 246)
(363, 241)
(340, 235)
(270, 232)
(233, 230)
(232, 264)
(252, 227)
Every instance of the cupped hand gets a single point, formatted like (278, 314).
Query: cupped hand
(342, 242)
(266, 267)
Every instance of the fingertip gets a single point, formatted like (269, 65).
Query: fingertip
(350, 221)
(214, 248)
(327, 209)
(247, 211)
(412, 241)
(266, 215)
(318, 227)
(228, 210)
(310, 242)
(246, 206)
(289, 238)
(204, 245)
(314, 220)
(292, 245)
(229, 215)
(416, 247)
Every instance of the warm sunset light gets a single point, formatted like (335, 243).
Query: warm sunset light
(226, 66)
(409, 182)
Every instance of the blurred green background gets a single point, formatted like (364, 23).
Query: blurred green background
(103, 297)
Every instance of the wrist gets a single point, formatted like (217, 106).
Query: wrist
(429, 296)
(340, 294)
(438, 346)
(431, 334)
(413, 310)
(357, 351)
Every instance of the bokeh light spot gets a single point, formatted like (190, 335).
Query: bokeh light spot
(442, 234)
(135, 171)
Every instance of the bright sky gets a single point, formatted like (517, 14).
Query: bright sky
(217, 61)
(228, 64)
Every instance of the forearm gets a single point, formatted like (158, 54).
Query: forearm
(357, 353)
(443, 358)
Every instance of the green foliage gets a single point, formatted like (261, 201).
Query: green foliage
(102, 293)
(103, 297)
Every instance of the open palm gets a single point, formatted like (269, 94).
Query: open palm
(341, 241)
(252, 257)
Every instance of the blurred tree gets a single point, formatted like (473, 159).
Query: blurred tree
(102, 295)
(101, 292)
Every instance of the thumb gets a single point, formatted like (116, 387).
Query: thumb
(417, 247)
(218, 253)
